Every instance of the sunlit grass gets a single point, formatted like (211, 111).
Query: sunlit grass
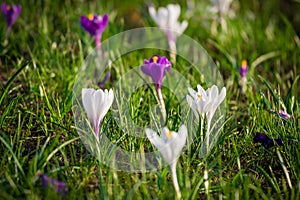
(44, 52)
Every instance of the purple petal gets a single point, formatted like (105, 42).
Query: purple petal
(279, 141)
(57, 185)
(103, 23)
(244, 68)
(146, 61)
(284, 114)
(146, 69)
(3, 8)
(266, 141)
(11, 13)
(96, 25)
(156, 69)
(157, 74)
(88, 25)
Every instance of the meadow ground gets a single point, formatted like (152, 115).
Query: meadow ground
(43, 53)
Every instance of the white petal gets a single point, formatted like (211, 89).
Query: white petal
(178, 141)
(99, 104)
(154, 15)
(163, 18)
(222, 95)
(191, 102)
(96, 103)
(174, 12)
(108, 98)
(201, 90)
(182, 27)
(216, 103)
(214, 91)
(88, 104)
(207, 107)
(192, 92)
(201, 105)
(164, 133)
(154, 138)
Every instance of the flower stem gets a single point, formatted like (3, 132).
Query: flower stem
(207, 135)
(172, 46)
(175, 181)
(162, 105)
(243, 84)
(201, 128)
(206, 181)
(8, 31)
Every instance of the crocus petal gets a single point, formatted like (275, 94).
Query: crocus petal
(201, 90)
(214, 92)
(216, 101)
(264, 140)
(3, 8)
(104, 22)
(88, 25)
(154, 138)
(146, 69)
(157, 73)
(284, 114)
(156, 67)
(11, 13)
(192, 92)
(170, 143)
(167, 18)
(96, 104)
(95, 25)
(88, 103)
(57, 185)
(182, 27)
(174, 12)
(193, 106)
(179, 141)
(152, 13)
(163, 18)
(206, 101)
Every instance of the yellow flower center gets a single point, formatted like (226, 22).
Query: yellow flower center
(199, 96)
(244, 64)
(90, 16)
(8, 7)
(169, 133)
(154, 58)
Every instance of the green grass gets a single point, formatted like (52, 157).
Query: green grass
(38, 66)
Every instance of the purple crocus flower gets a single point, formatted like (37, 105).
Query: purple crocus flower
(284, 114)
(57, 185)
(95, 25)
(156, 67)
(266, 141)
(244, 69)
(11, 13)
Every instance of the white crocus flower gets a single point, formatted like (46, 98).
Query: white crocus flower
(205, 103)
(169, 145)
(199, 101)
(216, 100)
(167, 20)
(96, 104)
(222, 8)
